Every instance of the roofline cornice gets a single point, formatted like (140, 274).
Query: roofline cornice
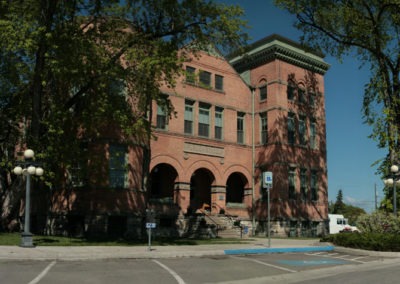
(273, 48)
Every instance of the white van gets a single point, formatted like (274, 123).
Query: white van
(337, 224)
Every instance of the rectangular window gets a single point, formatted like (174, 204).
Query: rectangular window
(218, 122)
(188, 124)
(313, 134)
(117, 165)
(219, 82)
(302, 130)
(301, 95)
(263, 93)
(291, 128)
(161, 118)
(303, 184)
(290, 92)
(78, 169)
(204, 120)
(190, 75)
(118, 87)
(205, 79)
(264, 128)
(240, 128)
(312, 99)
(292, 183)
(314, 186)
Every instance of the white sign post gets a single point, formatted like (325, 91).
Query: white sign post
(267, 182)
(150, 226)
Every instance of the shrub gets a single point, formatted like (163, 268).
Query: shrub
(367, 241)
(378, 222)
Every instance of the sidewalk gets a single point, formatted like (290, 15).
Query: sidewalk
(125, 252)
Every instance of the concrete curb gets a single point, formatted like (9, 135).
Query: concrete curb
(278, 250)
(368, 252)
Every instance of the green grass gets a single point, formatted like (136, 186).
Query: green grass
(15, 239)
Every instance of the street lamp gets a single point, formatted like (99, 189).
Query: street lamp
(27, 168)
(395, 179)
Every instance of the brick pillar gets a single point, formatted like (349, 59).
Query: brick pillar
(218, 198)
(182, 195)
(247, 197)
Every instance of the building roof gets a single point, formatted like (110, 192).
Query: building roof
(278, 47)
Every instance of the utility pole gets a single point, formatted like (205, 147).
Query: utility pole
(376, 199)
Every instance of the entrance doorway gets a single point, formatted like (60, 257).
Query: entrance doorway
(200, 189)
(163, 177)
(235, 188)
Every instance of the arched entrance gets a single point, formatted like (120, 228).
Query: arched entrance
(200, 189)
(235, 188)
(162, 179)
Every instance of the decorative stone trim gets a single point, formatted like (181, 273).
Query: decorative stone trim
(203, 150)
(218, 189)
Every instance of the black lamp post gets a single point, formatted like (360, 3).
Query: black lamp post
(27, 168)
(395, 179)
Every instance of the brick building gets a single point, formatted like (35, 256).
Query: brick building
(259, 111)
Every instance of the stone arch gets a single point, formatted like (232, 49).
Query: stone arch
(162, 182)
(240, 169)
(200, 189)
(206, 165)
(235, 188)
(166, 159)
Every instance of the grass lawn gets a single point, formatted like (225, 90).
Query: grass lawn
(15, 239)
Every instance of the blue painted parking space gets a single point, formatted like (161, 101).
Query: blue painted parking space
(314, 262)
(277, 250)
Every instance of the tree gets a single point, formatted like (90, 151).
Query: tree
(348, 211)
(370, 30)
(339, 205)
(72, 68)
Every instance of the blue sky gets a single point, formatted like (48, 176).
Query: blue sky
(350, 152)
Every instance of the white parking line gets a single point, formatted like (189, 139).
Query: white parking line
(43, 273)
(338, 256)
(266, 264)
(173, 273)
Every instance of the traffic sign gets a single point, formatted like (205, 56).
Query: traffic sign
(150, 225)
(267, 179)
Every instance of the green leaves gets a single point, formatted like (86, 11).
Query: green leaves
(63, 57)
(368, 30)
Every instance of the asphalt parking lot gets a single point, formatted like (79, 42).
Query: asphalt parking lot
(204, 269)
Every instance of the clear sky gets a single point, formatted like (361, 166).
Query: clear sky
(350, 152)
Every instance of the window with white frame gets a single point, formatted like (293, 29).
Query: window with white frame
(190, 75)
(78, 170)
(205, 79)
(189, 117)
(291, 92)
(302, 130)
(314, 185)
(301, 94)
(117, 166)
(264, 128)
(303, 184)
(263, 92)
(313, 134)
(218, 128)
(162, 118)
(292, 183)
(204, 120)
(219, 82)
(240, 127)
(291, 129)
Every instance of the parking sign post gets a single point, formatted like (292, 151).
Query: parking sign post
(150, 224)
(267, 182)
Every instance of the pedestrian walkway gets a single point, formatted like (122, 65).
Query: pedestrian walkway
(256, 245)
